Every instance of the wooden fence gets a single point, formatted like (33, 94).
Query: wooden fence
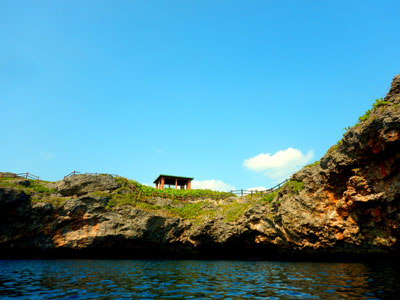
(79, 173)
(25, 175)
(160, 193)
(243, 193)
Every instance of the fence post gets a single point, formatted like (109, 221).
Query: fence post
(241, 191)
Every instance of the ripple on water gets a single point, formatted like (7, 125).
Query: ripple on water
(152, 279)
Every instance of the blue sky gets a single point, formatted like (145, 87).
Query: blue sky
(237, 94)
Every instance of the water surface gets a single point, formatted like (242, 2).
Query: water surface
(185, 279)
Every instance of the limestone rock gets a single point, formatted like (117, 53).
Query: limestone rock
(348, 205)
(84, 184)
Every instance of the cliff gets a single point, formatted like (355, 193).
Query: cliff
(345, 206)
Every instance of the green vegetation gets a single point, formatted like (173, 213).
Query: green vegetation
(234, 210)
(294, 186)
(116, 199)
(198, 211)
(336, 146)
(378, 103)
(32, 187)
(203, 210)
(268, 198)
(367, 116)
(347, 129)
(333, 148)
(56, 201)
(196, 205)
(315, 163)
(38, 187)
(145, 192)
(188, 210)
(38, 190)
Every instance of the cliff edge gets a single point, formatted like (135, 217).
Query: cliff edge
(345, 206)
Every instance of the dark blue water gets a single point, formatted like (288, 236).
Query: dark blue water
(147, 279)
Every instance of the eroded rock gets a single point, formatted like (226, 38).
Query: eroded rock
(349, 204)
(84, 184)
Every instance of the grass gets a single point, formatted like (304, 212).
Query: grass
(268, 198)
(315, 163)
(119, 199)
(148, 206)
(37, 190)
(188, 210)
(33, 187)
(365, 117)
(335, 147)
(294, 186)
(38, 187)
(56, 201)
(378, 103)
(199, 211)
(146, 192)
(233, 211)
(135, 194)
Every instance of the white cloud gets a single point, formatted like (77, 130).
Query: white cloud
(212, 184)
(259, 188)
(279, 165)
(47, 155)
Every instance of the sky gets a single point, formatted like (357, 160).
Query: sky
(237, 94)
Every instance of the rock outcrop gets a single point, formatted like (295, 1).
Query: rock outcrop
(345, 206)
(84, 184)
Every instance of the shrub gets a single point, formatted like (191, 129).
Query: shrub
(294, 186)
(233, 211)
(268, 198)
(40, 188)
(315, 163)
(378, 103)
(189, 210)
(145, 192)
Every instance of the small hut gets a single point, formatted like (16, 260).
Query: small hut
(182, 182)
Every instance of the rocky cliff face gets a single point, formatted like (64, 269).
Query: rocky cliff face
(348, 205)
(350, 201)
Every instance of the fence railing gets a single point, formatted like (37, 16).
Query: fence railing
(160, 193)
(73, 173)
(25, 175)
(243, 193)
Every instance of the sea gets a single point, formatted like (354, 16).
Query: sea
(196, 279)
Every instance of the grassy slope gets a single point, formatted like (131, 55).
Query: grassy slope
(196, 205)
